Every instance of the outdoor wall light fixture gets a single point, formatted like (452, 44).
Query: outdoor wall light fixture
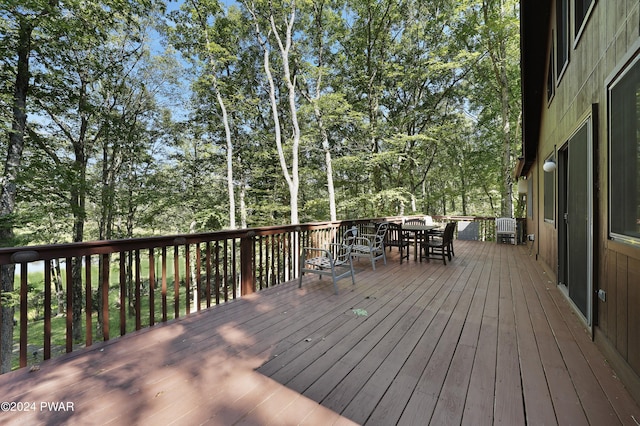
(549, 166)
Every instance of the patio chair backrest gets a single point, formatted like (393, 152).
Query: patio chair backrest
(394, 235)
(506, 229)
(505, 224)
(381, 232)
(349, 236)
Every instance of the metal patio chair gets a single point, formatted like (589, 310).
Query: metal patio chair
(372, 246)
(333, 260)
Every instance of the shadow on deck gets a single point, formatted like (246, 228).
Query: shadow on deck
(486, 339)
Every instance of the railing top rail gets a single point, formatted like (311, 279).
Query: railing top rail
(10, 255)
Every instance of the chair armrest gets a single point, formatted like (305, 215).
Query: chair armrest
(321, 250)
(362, 241)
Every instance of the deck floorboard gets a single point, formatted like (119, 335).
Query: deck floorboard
(486, 339)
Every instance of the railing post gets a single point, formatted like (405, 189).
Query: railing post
(248, 280)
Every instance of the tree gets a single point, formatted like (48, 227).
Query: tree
(284, 39)
(80, 119)
(500, 38)
(197, 23)
(20, 21)
(54, 38)
(317, 46)
(367, 48)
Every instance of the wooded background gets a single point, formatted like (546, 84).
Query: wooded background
(135, 117)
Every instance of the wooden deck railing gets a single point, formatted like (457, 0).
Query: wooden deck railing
(135, 283)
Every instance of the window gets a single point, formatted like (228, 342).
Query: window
(624, 154)
(530, 197)
(582, 10)
(549, 193)
(562, 36)
(550, 82)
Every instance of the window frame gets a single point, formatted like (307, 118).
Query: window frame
(530, 196)
(549, 198)
(563, 22)
(629, 63)
(579, 26)
(551, 75)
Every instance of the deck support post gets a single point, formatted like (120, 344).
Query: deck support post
(247, 278)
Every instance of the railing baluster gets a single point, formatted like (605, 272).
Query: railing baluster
(69, 322)
(138, 303)
(123, 294)
(105, 295)
(24, 289)
(47, 309)
(234, 269)
(187, 278)
(208, 275)
(274, 272)
(198, 276)
(152, 287)
(88, 298)
(267, 260)
(164, 284)
(278, 253)
(225, 271)
(248, 284)
(261, 261)
(176, 282)
(217, 272)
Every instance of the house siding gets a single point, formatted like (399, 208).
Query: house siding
(611, 34)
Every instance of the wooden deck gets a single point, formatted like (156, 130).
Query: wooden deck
(486, 339)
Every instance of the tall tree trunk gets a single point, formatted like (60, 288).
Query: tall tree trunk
(243, 205)
(227, 132)
(78, 201)
(8, 191)
(76, 269)
(330, 188)
(293, 178)
(59, 288)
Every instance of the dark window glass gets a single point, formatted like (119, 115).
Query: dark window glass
(549, 194)
(562, 35)
(624, 168)
(582, 8)
(550, 81)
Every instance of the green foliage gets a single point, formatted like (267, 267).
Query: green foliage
(408, 101)
(10, 298)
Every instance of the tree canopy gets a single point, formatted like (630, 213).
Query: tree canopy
(144, 117)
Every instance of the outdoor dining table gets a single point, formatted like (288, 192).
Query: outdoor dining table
(419, 231)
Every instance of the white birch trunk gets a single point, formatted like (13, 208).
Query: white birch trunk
(243, 206)
(227, 131)
(292, 178)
